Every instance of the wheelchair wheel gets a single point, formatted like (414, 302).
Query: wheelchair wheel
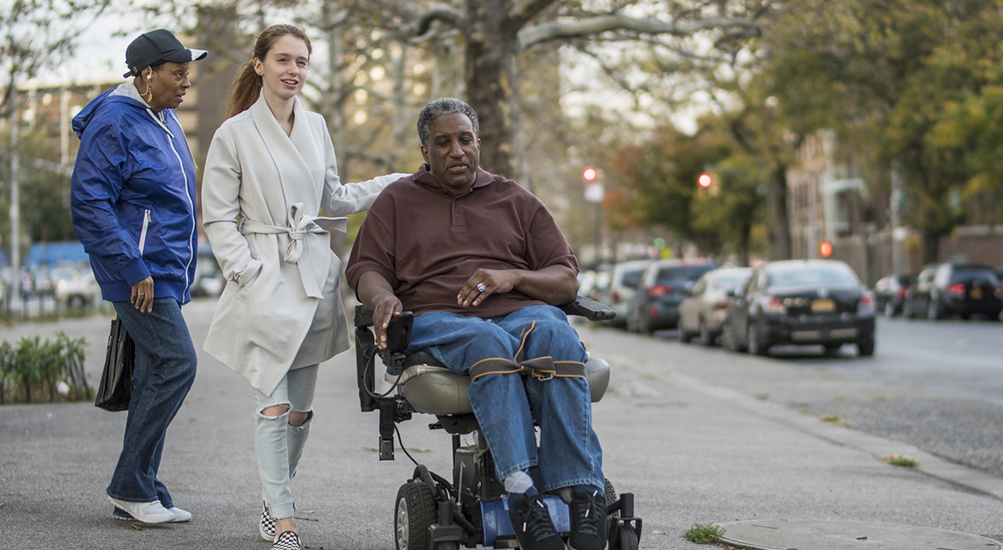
(626, 539)
(416, 511)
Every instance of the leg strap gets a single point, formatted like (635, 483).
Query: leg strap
(542, 368)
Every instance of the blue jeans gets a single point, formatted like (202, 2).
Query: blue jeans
(504, 404)
(164, 372)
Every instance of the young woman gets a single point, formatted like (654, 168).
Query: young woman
(270, 169)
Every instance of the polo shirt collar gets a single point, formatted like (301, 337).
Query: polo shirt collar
(425, 178)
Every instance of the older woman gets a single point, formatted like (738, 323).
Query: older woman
(133, 203)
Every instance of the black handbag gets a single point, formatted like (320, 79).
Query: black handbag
(115, 388)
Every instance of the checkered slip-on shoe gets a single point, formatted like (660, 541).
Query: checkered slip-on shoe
(288, 540)
(267, 525)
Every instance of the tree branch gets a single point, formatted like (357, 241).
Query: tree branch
(434, 12)
(547, 32)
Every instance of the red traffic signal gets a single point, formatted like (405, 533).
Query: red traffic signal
(590, 174)
(705, 180)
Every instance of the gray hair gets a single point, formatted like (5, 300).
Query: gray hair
(444, 106)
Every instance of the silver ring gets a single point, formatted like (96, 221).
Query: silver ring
(481, 287)
(142, 294)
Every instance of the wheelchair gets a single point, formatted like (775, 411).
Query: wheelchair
(435, 513)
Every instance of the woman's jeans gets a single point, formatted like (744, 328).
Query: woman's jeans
(280, 444)
(504, 404)
(164, 372)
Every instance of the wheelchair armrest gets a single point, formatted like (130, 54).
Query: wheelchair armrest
(590, 309)
(398, 333)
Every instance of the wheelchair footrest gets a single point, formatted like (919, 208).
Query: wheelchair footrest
(494, 515)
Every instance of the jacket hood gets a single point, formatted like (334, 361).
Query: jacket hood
(124, 93)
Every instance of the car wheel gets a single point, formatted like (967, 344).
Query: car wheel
(756, 346)
(706, 338)
(865, 346)
(889, 309)
(728, 338)
(933, 310)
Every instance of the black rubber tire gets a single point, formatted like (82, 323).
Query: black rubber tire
(865, 347)
(706, 338)
(756, 346)
(415, 511)
(626, 539)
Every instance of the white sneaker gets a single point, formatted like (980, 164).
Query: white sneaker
(146, 512)
(180, 516)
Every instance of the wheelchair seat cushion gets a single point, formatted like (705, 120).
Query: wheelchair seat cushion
(434, 389)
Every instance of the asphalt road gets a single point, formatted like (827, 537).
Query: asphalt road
(936, 385)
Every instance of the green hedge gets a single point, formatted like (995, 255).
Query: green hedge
(35, 370)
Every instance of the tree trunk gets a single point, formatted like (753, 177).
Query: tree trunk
(776, 203)
(492, 86)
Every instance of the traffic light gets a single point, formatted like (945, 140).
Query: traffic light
(590, 174)
(825, 249)
(705, 180)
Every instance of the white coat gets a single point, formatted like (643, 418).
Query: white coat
(262, 191)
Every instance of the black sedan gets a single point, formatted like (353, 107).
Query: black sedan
(801, 302)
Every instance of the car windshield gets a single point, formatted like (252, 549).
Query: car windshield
(808, 275)
(631, 278)
(682, 273)
(968, 275)
(728, 281)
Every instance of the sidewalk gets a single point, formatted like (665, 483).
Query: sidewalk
(691, 453)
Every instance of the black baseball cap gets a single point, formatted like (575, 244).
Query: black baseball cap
(156, 47)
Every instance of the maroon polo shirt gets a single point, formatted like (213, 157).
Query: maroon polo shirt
(426, 242)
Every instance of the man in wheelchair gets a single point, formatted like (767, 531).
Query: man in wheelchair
(482, 264)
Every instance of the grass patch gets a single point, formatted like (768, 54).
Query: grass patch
(704, 534)
(835, 420)
(901, 461)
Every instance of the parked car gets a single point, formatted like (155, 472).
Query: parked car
(623, 280)
(801, 302)
(704, 310)
(948, 289)
(889, 293)
(663, 286)
(79, 289)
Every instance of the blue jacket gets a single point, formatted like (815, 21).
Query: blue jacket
(133, 196)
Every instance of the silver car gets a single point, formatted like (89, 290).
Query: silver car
(704, 311)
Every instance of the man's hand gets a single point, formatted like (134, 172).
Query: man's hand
(484, 283)
(386, 307)
(376, 294)
(142, 295)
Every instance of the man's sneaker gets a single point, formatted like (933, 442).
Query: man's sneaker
(532, 524)
(288, 540)
(146, 512)
(267, 525)
(588, 521)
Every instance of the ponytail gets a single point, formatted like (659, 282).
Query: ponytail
(244, 91)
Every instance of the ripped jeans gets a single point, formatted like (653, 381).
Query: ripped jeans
(280, 444)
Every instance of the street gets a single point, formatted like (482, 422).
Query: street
(698, 435)
(936, 385)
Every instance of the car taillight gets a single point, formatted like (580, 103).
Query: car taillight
(956, 290)
(658, 290)
(866, 306)
(774, 305)
(615, 296)
(901, 293)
